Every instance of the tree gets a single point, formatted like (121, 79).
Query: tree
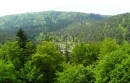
(121, 74)
(113, 68)
(7, 73)
(22, 38)
(11, 52)
(30, 48)
(27, 45)
(85, 54)
(108, 45)
(78, 53)
(48, 60)
(28, 73)
(75, 74)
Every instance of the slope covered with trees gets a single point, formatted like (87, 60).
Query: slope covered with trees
(114, 27)
(61, 26)
(100, 48)
(95, 62)
(37, 25)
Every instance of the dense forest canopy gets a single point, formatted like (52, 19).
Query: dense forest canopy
(75, 26)
(36, 24)
(64, 47)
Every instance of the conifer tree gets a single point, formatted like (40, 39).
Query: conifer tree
(21, 38)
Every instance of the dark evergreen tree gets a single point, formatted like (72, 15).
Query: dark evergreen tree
(21, 38)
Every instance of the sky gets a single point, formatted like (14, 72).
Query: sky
(103, 7)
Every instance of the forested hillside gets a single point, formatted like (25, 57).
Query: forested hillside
(37, 25)
(61, 26)
(22, 61)
(114, 27)
(64, 47)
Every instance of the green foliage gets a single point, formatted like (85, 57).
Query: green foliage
(30, 49)
(45, 22)
(7, 74)
(22, 38)
(75, 74)
(106, 61)
(108, 45)
(28, 73)
(48, 59)
(11, 52)
(78, 54)
(85, 54)
(121, 73)
(107, 69)
(79, 26)
(94, 62)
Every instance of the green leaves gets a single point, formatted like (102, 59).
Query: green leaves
(28, 73)
(78, 53)
(85, 54)
(107, 69)
(101, 62)
(107, 45)
(75, 74)
(48, 59)
(7, 74)
(22, 38)
(10, 51)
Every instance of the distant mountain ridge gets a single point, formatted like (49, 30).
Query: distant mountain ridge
(49, 21)
(75, 26)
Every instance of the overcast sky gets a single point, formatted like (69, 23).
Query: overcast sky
(104, 7)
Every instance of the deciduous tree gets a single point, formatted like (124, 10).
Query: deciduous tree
(48, 60)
